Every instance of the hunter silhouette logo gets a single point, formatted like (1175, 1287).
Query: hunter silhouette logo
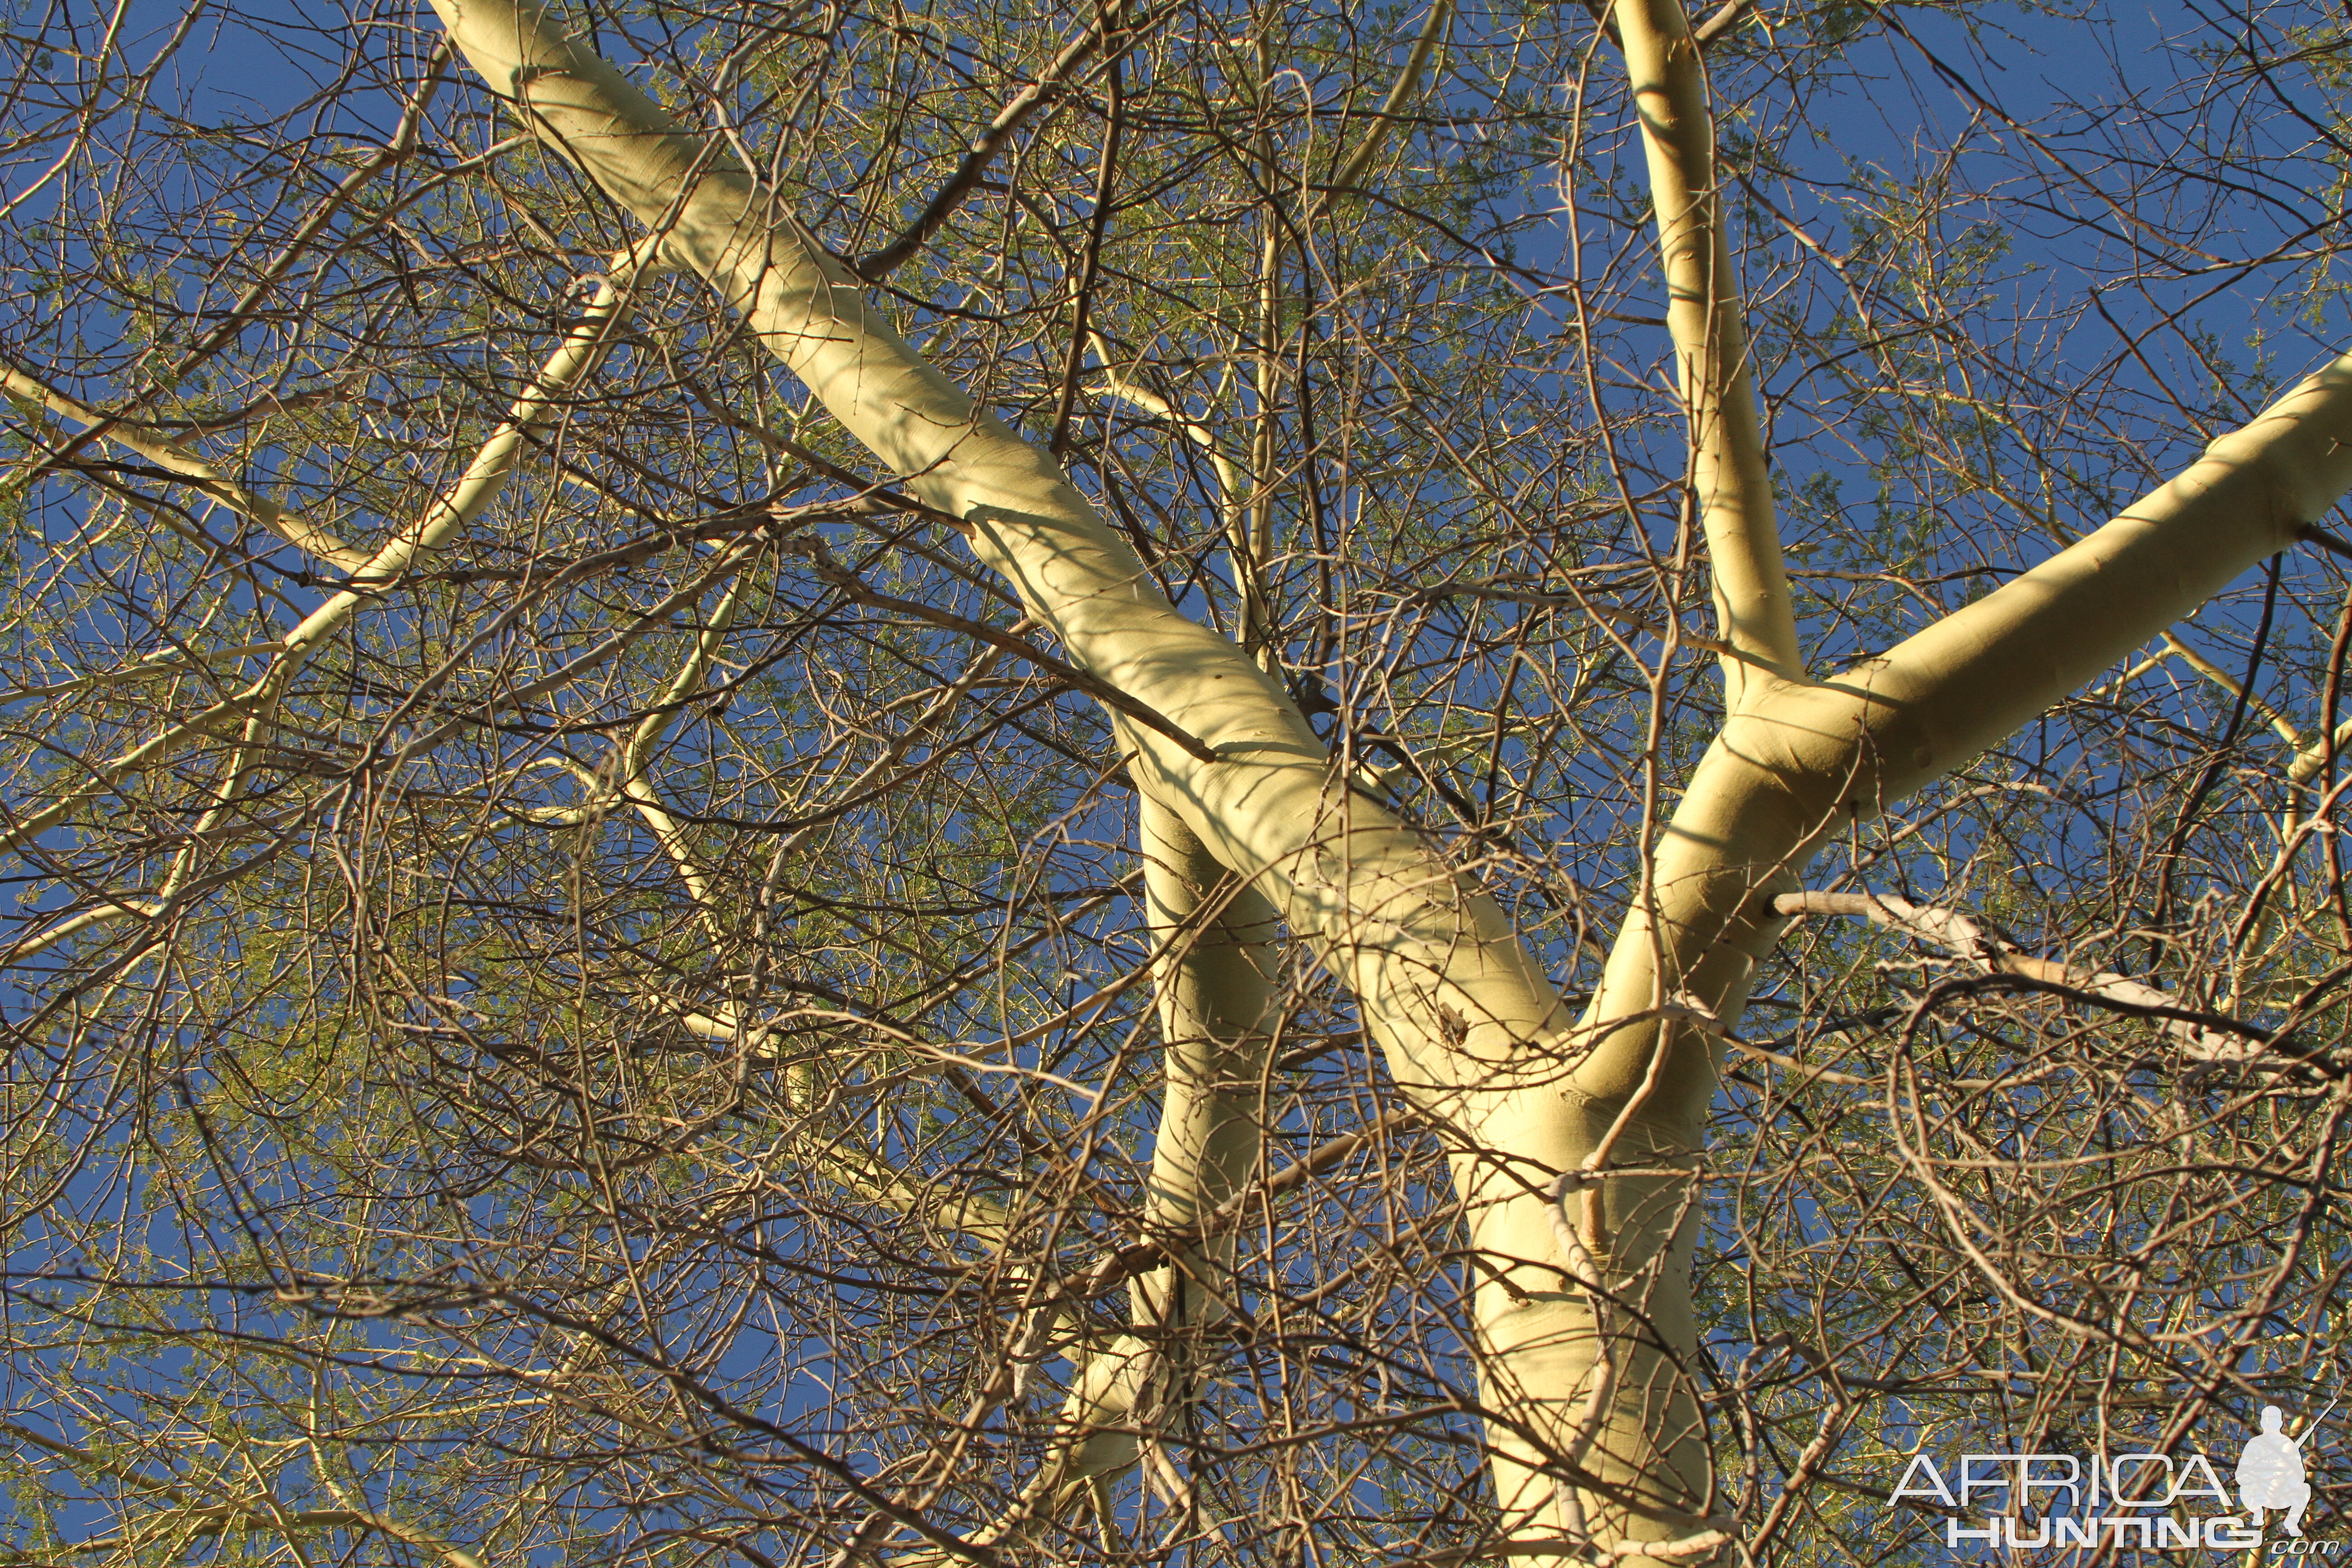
(2271, 1471)
(2019, 1501)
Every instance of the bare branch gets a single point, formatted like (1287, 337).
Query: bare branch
(1963, 938)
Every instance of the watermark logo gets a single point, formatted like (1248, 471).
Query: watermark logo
(2271, 1473)
(2155, 1502)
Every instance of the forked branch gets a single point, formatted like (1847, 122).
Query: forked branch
(1813, 759)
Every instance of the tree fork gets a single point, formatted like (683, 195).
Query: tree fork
(1471, 1026)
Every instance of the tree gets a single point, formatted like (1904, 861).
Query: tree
(602, 989)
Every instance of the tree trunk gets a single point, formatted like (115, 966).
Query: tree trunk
(1471, 1027)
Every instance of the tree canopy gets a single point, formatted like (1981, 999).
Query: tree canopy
(1198, 782)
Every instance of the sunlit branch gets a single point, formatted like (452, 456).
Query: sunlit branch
(2175, 649)
(484, 477)
(1238, 495)
(178, 461)
(1816, 758)
(1213, 965)
(633, 785)
(1351, 172)
(1712, 359)
(1967, 940)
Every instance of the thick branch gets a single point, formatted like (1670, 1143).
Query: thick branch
(1733, 492)
(1214, 966)
(1418, 945)
(1471, 1028)
(1808, 760)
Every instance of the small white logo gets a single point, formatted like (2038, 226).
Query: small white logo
(2155, 1502)
(2270, 1474)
